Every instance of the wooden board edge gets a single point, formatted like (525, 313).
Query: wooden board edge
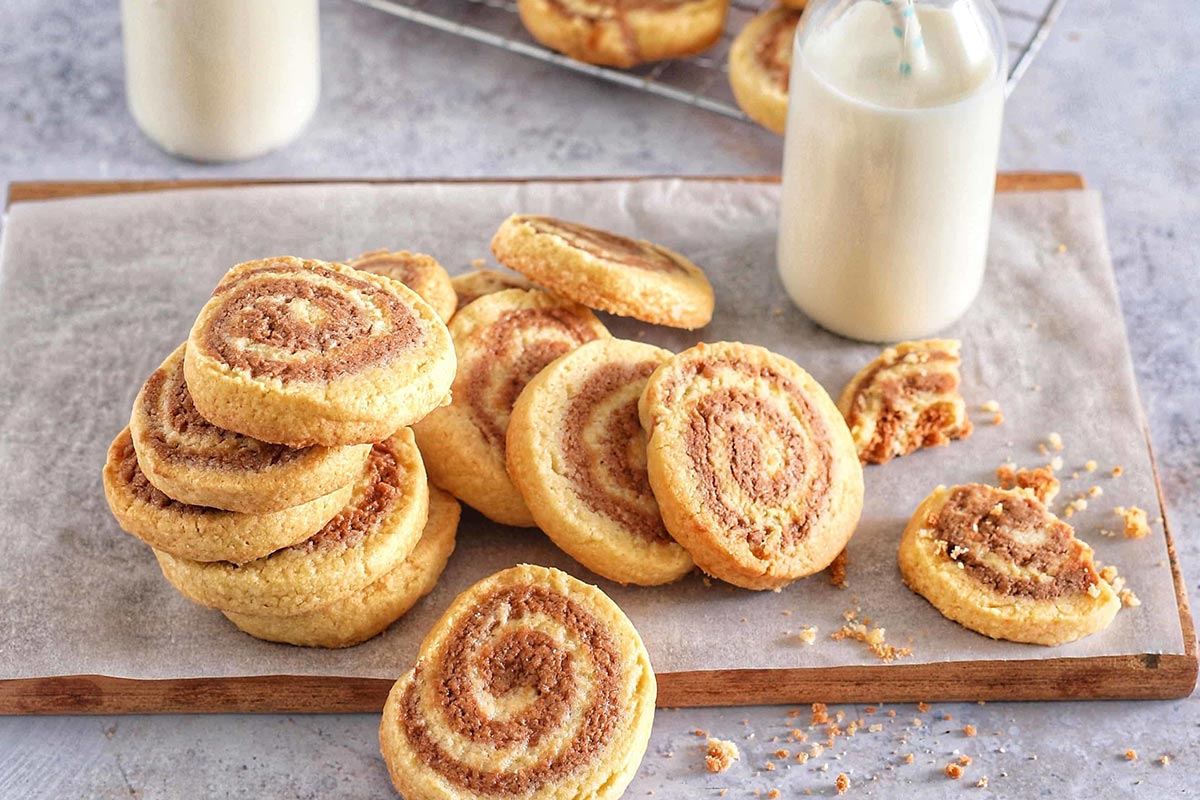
(27, 191)
(1136, 677)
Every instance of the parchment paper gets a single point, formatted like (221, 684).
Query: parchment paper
(95, 292)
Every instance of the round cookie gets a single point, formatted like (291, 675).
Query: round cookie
(371, 536)
(199, 533)
(623, 33)
(998, 562)
(752, 465)
(605, 271)
(905, 399)
(502, 341)
(191, 460)
(360, 616)
(421, 273)
(760, 64)
(471, 286)
(306, 352)
(578, 455)
(533, 685)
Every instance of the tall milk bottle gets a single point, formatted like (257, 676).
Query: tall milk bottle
(890, 163)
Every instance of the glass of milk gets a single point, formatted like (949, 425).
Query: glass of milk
(221, 80)
(890, 164)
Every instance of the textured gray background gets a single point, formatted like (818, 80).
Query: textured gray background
(1116, 95)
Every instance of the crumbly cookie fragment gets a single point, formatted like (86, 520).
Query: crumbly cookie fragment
(720, 754)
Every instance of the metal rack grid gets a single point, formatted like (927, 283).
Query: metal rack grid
(700, 79)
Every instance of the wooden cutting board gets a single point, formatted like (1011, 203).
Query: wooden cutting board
(1143, 676)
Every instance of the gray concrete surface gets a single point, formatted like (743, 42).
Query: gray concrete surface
(1115, 95)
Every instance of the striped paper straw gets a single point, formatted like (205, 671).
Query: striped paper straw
(908, 30)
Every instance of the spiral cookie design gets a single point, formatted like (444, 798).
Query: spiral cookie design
(623, 33)
(305, 352)
(606, 271)
(753, 468)
(421, 273)
(357, 617)
(998, 562)
(471, 286)
(195, 462)
(760, 63)
(199, 533)
(371, 536)
(502, 341)
(533, 685)
(578, 455)
(905, 399)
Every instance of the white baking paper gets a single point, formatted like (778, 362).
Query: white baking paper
(95, 292)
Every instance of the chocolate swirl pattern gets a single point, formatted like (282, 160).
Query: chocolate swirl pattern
(532, 685)
(906, 399)
(578, 455)
(602, 270)
(305, 352)
(502, 340)
(372, 535)
(760, 63)
(200, 533)
(623, 33)
(421, 273)
(193, 461)
(753, 467)
(998, 562)
(359, 616)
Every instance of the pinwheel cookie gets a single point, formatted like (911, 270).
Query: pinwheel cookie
(622, 33)
(502, 341)
(421, 273)
(199, 533)
(998, 562)
(578, 455)
(306, 352)
(193, 461)
(533, 685)
(359, 616)
(605, 271)
(905, 399)
(371, 536)
(471, 286)
(760, 63)
(752, 465)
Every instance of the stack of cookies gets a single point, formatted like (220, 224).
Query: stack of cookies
(269, 461)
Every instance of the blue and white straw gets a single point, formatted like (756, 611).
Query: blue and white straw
(908, 30)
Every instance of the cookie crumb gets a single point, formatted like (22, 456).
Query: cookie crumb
(964, 761)
(837, 570)
(909, 758)
(982, 782)
(1041, 481)
(1165, 760)
(922, 706)
(842, 783)
(876, 728)
(1056, 463)
(1055, 441)
(1090, 465)
(991, 407)
(1131, 754)
(953, 771)
(969, 730)
(873, 638)
(1118, 471)
(1136, 524)
(720, 755)
(1129, 599)
(773, 793)
(477, 262)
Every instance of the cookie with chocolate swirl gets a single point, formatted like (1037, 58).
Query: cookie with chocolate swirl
(606, 271)
(998, 562)
(300, 352)
(578, 455)
(752, 465)
(419, 272)
(471, 286)
(533, 685)
(760, 64)
(502, 340)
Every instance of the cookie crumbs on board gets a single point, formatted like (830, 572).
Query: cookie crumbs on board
(953, 771)
(837, 570)
(1118, 471)
(773, 793)
(720, 755)
(922, 706)
(842, 783)
(1056, 442)
(1131, 754)
(982, 782)
(1090, 465)
(1136, 524)
(969, 730)
(1041, 481)
(1165, 760)
(807, 634)
(873, 638)
(909, 758)
(1129, 599)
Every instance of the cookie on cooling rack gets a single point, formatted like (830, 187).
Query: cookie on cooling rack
(760, 63)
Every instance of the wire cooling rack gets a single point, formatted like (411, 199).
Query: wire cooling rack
(700, 80)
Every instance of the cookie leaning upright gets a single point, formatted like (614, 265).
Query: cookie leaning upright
(998, 562)
(578, 454)
(752, 465)
(502, 340)
(601, 270)
(304, 352)
(760, 63)
(533, 685)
